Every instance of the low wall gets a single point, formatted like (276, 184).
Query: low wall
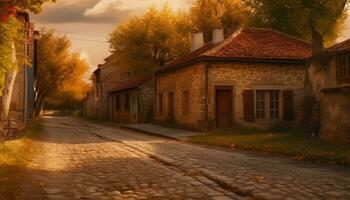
(335, 115)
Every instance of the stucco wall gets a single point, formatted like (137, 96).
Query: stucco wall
(335, 117)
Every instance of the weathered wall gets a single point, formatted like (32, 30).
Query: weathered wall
(335, 116)
(17, 100)
(259, 76)
(123, 114)
(146, 102)
(190, 79)
(240, 76)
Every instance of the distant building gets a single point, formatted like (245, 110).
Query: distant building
(330, 78)
(132, 101)
(254, 77)
(112, 82)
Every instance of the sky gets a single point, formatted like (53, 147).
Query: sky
(88, 23)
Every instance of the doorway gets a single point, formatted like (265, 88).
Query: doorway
(223, 107)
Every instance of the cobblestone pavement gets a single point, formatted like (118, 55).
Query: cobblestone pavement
(70, 162)
(247, 175)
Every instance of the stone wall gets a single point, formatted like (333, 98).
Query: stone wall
(335, 116)
(190, 79)
(260, 76)
(239, 75)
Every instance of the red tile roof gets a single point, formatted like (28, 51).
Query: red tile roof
(251, 44)
(340, 47)
(133, 83)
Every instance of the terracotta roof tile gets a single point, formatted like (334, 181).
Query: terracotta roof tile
(132, 83)
(249, 44)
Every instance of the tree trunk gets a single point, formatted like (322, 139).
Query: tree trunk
(39, 106)
(317, 42)
(8, 89)
(311, 121)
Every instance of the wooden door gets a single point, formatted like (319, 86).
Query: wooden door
(171, 106)
(223, 108)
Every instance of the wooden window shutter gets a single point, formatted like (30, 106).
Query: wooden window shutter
(288, 114)
(248, 105)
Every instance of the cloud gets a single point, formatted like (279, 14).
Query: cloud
(104, 5)
(66, 11)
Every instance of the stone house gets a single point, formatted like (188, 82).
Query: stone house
(111, 80)
(329, 73)
(22, 100)
(132, 101)
(254, 77)
(106, 77)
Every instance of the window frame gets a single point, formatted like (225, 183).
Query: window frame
(274, 105)
(268, 105)
(260, 113)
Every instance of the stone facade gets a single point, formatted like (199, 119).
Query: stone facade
(134, 105)
(107, 76)
(239, 76)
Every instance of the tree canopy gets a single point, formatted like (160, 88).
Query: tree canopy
(207, 15)
(312, 20)
(152, 39)
(59, 72)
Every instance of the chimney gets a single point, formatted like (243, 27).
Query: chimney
(218, 36)
(197, 41)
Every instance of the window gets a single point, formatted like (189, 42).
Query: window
(160, 103)
(343, 68)
(274, 104)
(117, 102)
(185, 102)
(127, 102)
(260, 105)
(267, 104)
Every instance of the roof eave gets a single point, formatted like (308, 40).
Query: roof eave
(232, 59)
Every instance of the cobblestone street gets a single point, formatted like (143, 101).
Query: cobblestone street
(79, 160)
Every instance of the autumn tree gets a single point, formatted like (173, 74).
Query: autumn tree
(317, 21)
(148, 41)
(11, 45)
(207, 15)
(59, 71)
